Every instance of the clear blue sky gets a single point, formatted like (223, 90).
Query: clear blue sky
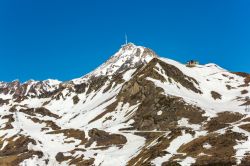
(61, 39)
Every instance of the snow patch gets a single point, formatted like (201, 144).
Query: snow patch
(159, 112)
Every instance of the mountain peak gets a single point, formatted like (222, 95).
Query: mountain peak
(128, 46)
(131, 47)
(129, 56)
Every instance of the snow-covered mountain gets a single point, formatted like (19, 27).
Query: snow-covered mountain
(135, 109)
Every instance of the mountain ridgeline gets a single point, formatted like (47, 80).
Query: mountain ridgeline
(135, 109)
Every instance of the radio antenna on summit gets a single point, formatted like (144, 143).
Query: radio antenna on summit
(126, 39)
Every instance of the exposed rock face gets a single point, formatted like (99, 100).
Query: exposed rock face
(215, 95)
(17, 150)
(71, 133)
(135, 109)
(103, 138)
(30, 88)
(2, 102)
(9, 119)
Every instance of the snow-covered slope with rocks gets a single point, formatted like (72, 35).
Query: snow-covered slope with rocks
(135, 109)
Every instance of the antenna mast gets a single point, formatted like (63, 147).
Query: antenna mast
(126, 39)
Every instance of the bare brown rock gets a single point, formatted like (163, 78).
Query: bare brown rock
(48, 123)
(146, 155)
(2, 101)
(8, 124)
(215, 95)
(245, 127)
(222, 120)
(78, 161)
(75, 99)
(42, 111)
(17, 150)
(221, 151)
(244, 91)
(103, 138)
(71, 133)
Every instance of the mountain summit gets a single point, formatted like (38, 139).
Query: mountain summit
(129, 56)
(135, 109)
